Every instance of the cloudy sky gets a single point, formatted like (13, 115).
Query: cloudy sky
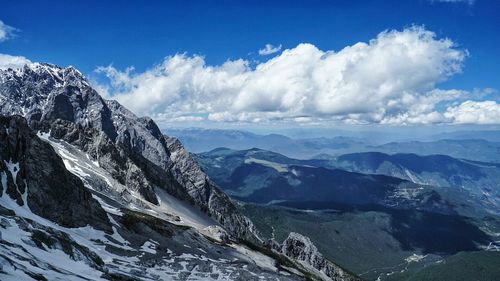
(314, 63)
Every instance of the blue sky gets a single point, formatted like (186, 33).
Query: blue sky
(90, 34)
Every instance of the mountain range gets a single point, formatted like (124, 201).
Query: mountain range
(92, 192)
(479, 178)
(476, 146)
(386, 207)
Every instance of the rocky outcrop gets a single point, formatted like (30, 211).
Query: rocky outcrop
(206, 194)
(300, 248)
(34, 175)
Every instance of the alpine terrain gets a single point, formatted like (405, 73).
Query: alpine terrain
(404, 215)
(89, 191)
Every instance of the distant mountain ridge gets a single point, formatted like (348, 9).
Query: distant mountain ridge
(204, 140)
(261, 176)
(488, 135)
(479, 179)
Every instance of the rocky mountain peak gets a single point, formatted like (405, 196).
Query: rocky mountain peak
(133, 149)
(47, 73)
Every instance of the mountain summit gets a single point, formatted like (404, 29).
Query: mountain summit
(132, 149)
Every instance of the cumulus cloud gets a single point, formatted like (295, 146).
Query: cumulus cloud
(474, 112)
(391, 79)
(269, 49)
(6, 31)
(8, 61)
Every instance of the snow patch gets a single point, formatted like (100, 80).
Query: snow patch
(415, 258)
(149, 247)
(259, 259)
(277, 166)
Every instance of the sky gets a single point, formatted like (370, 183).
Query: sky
(282, 63)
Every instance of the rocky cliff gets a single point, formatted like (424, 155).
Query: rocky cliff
(54, 193)
(300, 248)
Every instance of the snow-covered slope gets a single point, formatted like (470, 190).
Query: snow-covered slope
(102, 235)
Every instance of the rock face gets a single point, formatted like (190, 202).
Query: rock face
(206, 194)
(61, 100)
(53, 193)
(301, 249)
(132, 149)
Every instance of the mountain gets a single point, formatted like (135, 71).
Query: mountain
(54, 228)
(131, 149)
(488, 135)
(479, 178)
(202, 140)
(473, 148)
(261, 176)
(90, 191)
(384, 218)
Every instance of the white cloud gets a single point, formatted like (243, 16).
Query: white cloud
(8, 61)
(474, 112)
(6, 31)
(390, 79)
(470, 2)
(269, 49)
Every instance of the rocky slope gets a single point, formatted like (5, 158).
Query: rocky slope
(54, 192)
(189, 173)
(144, 209)
(54, 226)
(300, 248)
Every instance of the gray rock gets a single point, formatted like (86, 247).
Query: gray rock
(206, 194)
(300, 248)
(53, 192)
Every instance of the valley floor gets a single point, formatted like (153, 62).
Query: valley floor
(364, 243)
